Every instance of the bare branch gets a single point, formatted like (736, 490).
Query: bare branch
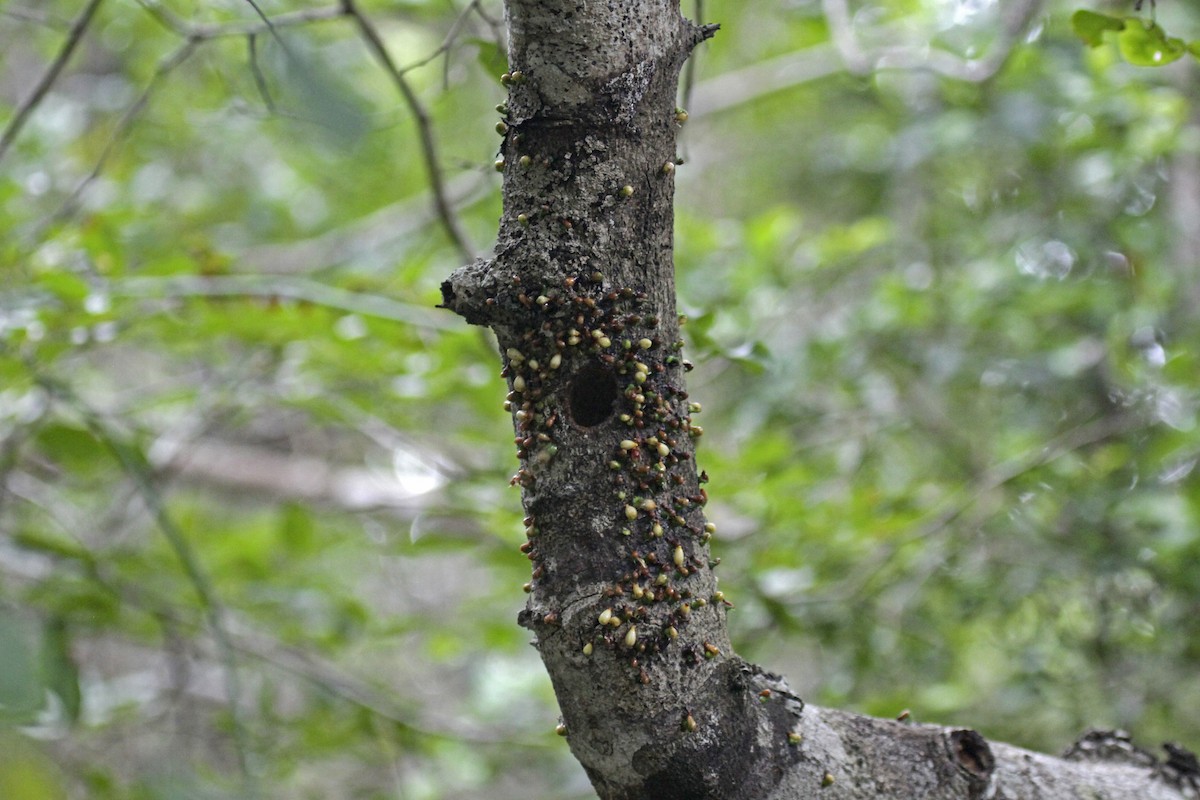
(386, 232)
(736, 88)
(255, 470)
(266, 20)
(31, 102)
(292, 288)
(289, 20)
(447, 43)
(861, 62)
(445, 213)
(166, 18)
(260, 80)
(195, 35)
(37, 18)
(188, 30)
(499, 34)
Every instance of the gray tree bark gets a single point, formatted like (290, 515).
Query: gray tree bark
(623, 602)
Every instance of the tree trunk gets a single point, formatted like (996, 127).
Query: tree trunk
(623, 602)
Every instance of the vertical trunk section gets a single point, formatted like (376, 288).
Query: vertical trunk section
(581, 296)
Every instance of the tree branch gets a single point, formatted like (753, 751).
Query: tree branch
(21, 115)
(294, 477)
(281, 286)
(187, 30)
(447, 42)
(28, 15)
(445, 213)
(384, 233)
(844, 756)
(260, 80)
(195, 35)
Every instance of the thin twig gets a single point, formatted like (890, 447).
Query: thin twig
(279, 21)
(499, 34)
(287, 287)
(166, 18)
(223, 30)
(424, 128)
(260, 80)
(51, 75)
(28, 15)
(293, 62)
(391, 230)
(195, 34)
(447, 43)
(261, 15)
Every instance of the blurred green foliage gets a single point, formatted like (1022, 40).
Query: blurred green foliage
(255, 530)
(1141, 42)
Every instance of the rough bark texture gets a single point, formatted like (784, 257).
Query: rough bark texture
(623, 602)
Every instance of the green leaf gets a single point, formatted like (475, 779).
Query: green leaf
(1090, 26)
(51, 544)
(297, 531)
(1144, 44)
(84, 601)
(751, 356)
(492, 56)
(73, 449)
(65, 286)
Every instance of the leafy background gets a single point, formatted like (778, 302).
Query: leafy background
(256, 535)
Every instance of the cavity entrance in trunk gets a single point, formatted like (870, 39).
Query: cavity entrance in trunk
(592, 395)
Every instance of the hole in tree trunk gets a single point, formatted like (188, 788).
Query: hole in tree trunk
(592, 395)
